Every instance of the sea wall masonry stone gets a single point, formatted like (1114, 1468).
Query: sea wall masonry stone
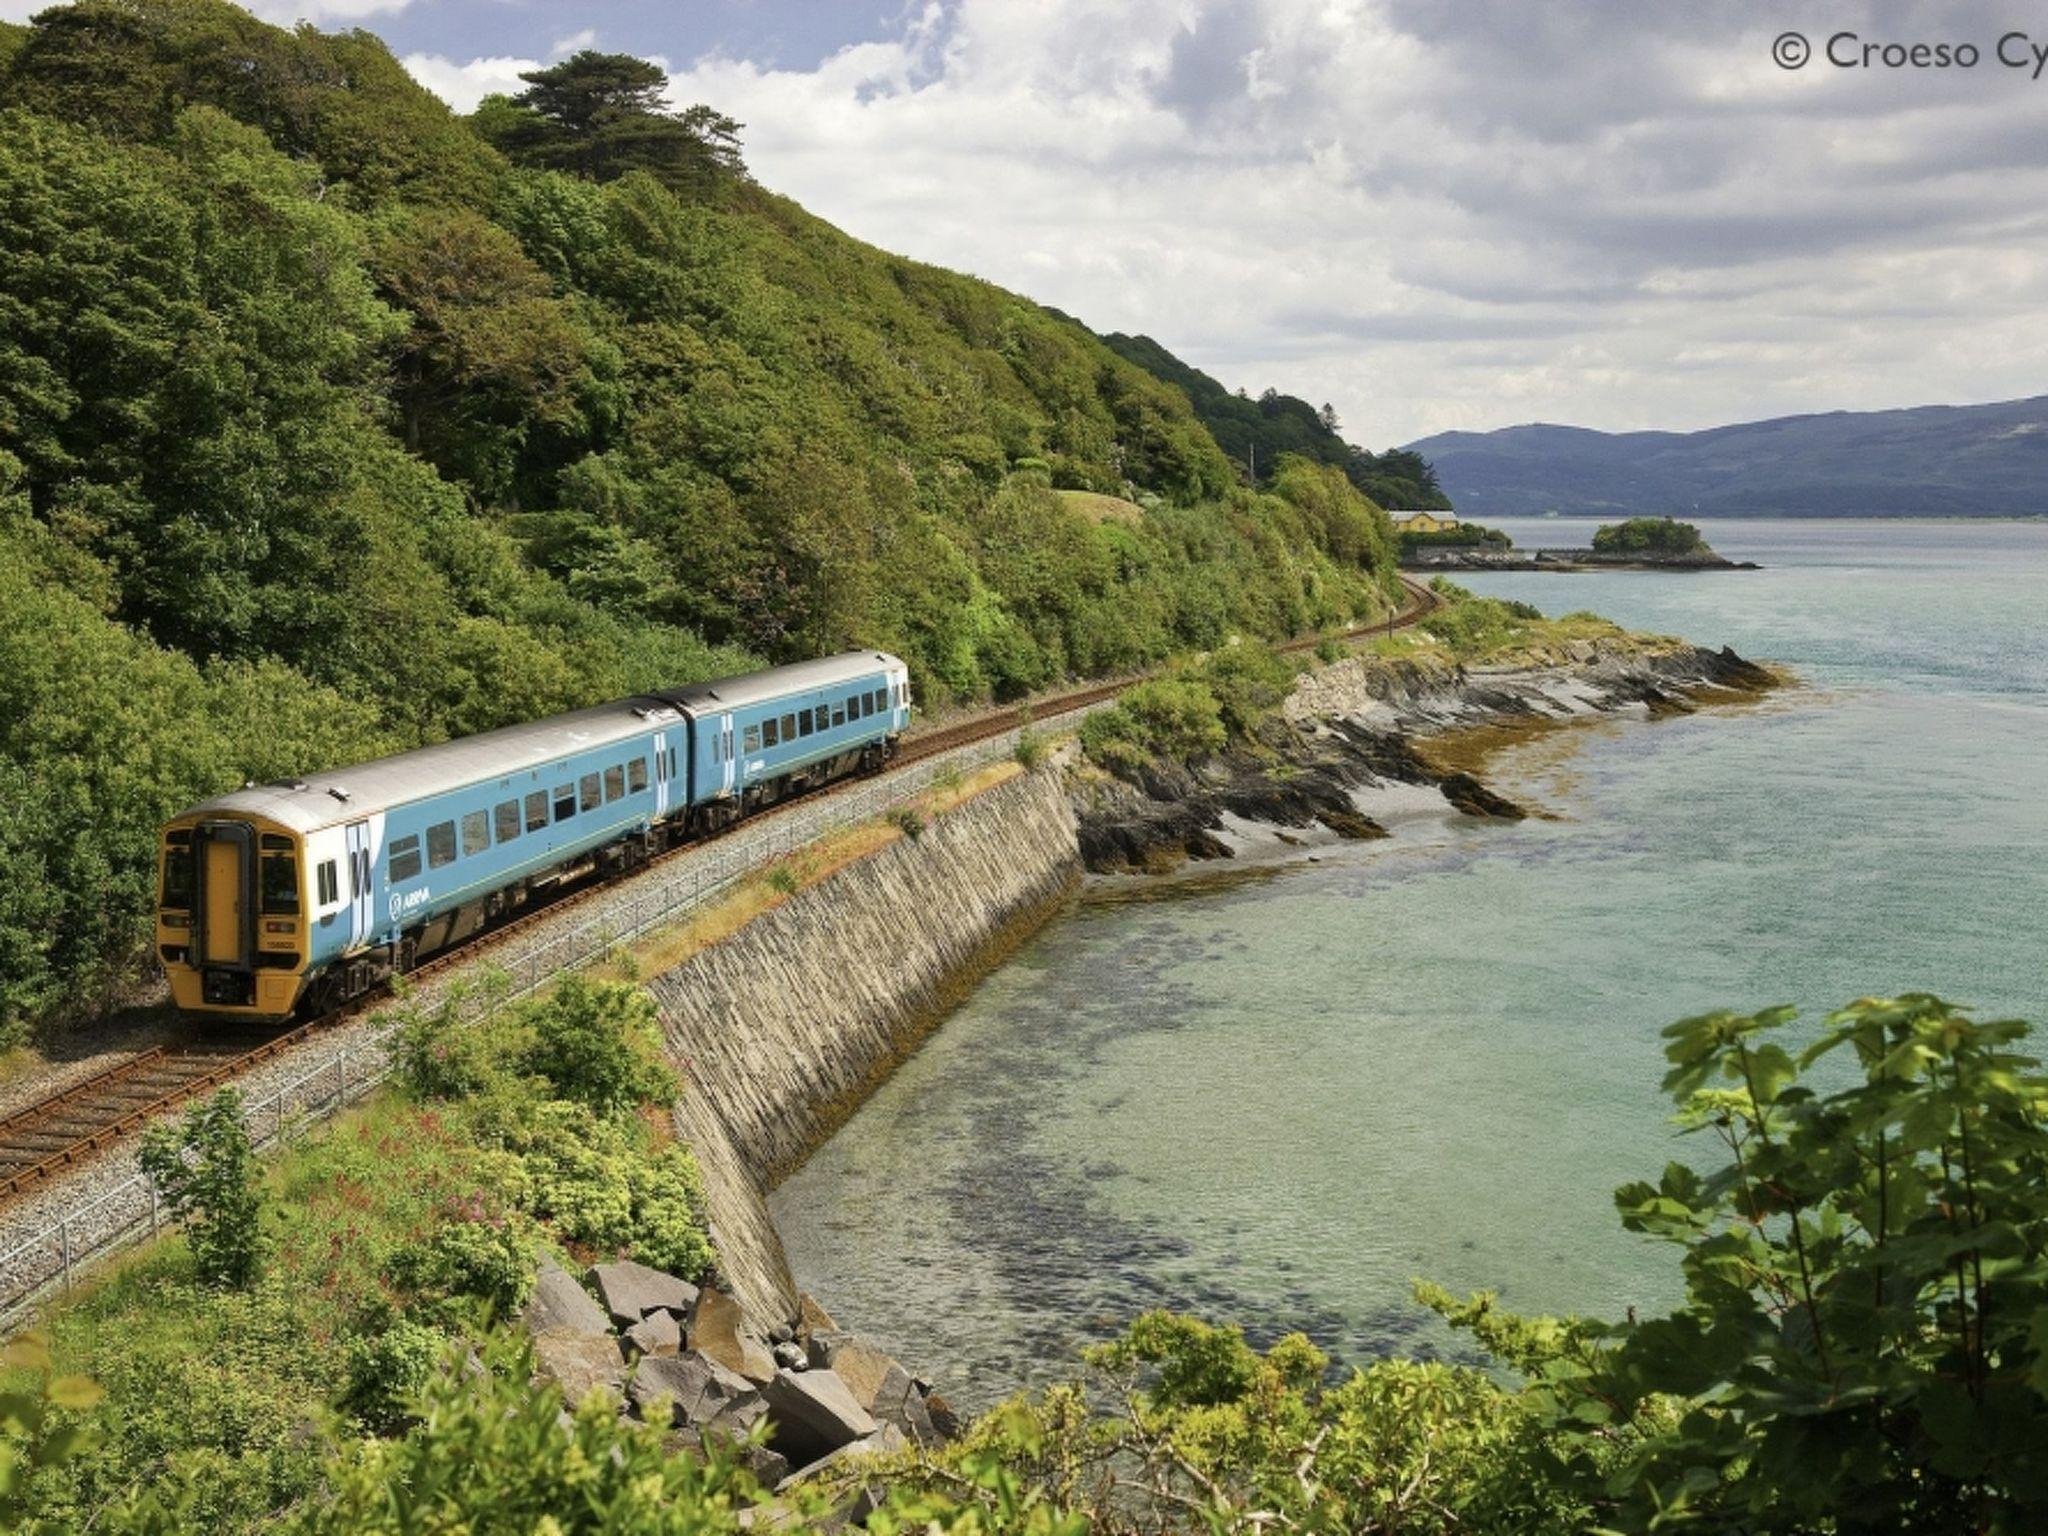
(780, 1031)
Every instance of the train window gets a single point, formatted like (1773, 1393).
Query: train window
(179, 875)
(593, 791)
(272, 843)
(636, 775)
(280, 882)
(405, 860)
(507, 818)
(565, 801)
(769, 735)
(838, 715)
(440, 844)
(476, 832)
(537, 811)
(803, 722)
(753, 739)
(329, 882)
(671, 762)
(789, 728)
(614, 783)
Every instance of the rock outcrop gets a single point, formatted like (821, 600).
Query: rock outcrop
(1343, 746)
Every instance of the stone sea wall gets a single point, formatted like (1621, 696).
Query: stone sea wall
(781, 1030)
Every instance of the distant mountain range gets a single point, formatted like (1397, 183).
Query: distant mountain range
(1936, 460)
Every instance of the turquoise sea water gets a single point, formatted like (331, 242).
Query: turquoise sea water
(1277, 1099)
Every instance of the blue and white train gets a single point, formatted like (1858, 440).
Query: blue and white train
(310, 891)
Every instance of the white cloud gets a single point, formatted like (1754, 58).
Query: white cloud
(1437, 213)
(575, 42)
(462, 86)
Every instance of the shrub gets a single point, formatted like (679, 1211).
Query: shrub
(204, 1169)
(603, 1187)
(1177, 717)
(1031, 748)
(1249, 680)
(907, 820)
(599, 1044)
(388, 1372)
(783, 879)
(1329, 650)
(435, 1057)
(479, 1254)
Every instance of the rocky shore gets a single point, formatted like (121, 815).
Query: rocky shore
(1342, 755)
(1480, 557)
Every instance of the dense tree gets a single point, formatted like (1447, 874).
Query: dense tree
(1257, 433)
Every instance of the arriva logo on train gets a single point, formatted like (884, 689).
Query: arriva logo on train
(402, 904)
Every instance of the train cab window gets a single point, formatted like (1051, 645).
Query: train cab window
(440, 844)
(614, 783)
(636, 775)
(593, 791)
(565, 801)
(506, 817)
(769, 734)
(328, 882)
(537, 811)
(280, 883)
(180, 875)
(803, 722)
(405, 860)
(753, 739)
(476, 832)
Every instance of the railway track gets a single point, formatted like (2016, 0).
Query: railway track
(45, 1139)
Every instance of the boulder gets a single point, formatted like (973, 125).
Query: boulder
(898, 1402)
(580, 1364)
(630, 1291)
(885, 1441)
(658, 1333)
(860, 1364)
(781, 1333)
(559, 1305)
(814, 1414)
(701, 1391)
(812, 1318)
(718, 1330)
(791, 1356)
(1475, 799)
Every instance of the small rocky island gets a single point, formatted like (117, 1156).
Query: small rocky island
(1639, 544)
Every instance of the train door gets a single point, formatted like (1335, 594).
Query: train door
(224, 881)
(360, 916)
(661, 773)
(727, 768)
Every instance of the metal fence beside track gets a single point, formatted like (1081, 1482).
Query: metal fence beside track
(107, 1221)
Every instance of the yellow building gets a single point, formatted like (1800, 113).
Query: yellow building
(1424, 522)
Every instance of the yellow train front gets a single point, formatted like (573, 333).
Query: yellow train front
(231, 925)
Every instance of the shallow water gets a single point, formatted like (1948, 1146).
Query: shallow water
(1275, 1100)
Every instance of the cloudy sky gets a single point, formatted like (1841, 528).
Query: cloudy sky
(1432, 213)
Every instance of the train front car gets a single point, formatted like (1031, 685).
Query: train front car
(231, 924)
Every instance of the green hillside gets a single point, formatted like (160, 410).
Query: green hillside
(1265, 430)
(332, 422)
